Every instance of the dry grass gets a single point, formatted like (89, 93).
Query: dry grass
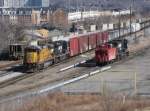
(87, 102)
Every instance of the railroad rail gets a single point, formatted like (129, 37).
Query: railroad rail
(24, 76)
(20, 96)
(27, 75)
(2, 67)
(68, 80)
(144, 25)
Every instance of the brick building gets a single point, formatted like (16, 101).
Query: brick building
(58, 18)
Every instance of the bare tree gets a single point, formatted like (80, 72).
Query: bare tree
(10, 33)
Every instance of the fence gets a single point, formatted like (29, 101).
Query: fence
(127, 87)
(122, 87)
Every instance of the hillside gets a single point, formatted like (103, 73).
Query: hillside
(101, 4)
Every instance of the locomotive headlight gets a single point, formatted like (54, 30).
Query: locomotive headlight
(119, 45)
(52, 50)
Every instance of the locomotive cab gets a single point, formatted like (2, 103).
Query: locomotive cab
(122, 47)
(38, 57)
(61, 50)
(31, 57)
(41, 56)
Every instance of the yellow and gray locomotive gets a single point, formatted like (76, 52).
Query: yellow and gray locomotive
(42, 56)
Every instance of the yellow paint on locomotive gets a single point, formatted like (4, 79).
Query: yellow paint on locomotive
(44, 55)
(32, 57)
(38, 56)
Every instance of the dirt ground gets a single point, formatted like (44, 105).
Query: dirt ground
(144, 42)
(6, 62)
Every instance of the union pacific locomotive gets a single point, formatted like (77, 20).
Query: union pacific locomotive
(42, 56)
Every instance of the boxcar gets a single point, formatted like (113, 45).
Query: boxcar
(83, 43)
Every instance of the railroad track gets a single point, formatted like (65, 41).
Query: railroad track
(132, 55)
(25, 75)
(4, 73)
(2, 67)
(20, 61)
(14, 80)
(72, 74)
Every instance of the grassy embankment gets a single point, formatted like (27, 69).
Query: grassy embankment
(86, 102)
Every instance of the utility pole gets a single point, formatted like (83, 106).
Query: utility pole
(131, 6)
(69, 6)
(119, 24)
(131, 14)
(77, 5)
(135, 38)
(31, 16)
(130, 19)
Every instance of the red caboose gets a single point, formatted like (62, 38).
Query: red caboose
(105, 54)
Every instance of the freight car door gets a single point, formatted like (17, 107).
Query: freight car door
(98, 38)
(92, 41)
(74, 46)
(105, 37)
(83, 44)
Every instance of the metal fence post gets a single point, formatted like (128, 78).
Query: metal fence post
(135, 83)
(102, 86)
(124, 99)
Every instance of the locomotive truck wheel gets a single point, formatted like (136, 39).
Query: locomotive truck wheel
(97, 64)
(127, 53)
